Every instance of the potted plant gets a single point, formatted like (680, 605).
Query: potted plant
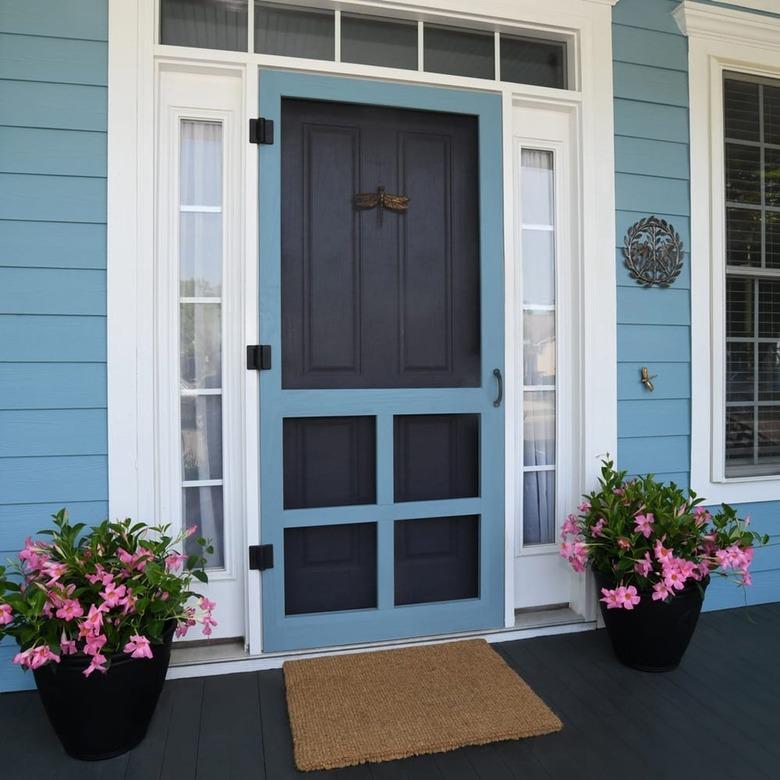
(94, 612)
(652, 548)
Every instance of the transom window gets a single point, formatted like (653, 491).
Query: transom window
(752, 168)
(325, 34)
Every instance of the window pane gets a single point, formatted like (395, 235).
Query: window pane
(539, 267)
(740, 372)
(771, 114)
(294, 31)
(741, 110)
(200, 252)
(773, 240)
(206, 24)
(743, 237)
(201, 164)
(769, 371)
(739, 437)
(201, 345)
(772, 177)
(201, 437)
(769, 309)
(769, 436)
(743, 174)
(538, 507)
(539, 428)
(539, 348)
(739, 307)
(459, 52)
(536, 187)
(203, 508)
(384, 42)
(532, 61)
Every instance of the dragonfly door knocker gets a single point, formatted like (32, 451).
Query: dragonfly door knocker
(381, 200)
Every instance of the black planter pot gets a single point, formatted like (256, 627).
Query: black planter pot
(103, 715)
(654, 635)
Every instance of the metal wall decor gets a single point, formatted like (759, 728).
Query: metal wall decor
(653, 252)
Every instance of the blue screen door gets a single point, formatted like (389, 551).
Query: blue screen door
(381, 297)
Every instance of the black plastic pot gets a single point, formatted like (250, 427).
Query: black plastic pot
(103, 715)
(654, 635)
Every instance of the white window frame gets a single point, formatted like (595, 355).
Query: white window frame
(135, 61)
(720, 40)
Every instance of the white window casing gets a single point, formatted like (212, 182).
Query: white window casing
(721, 40)
(144, 468)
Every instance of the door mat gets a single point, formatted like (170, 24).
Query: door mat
(384, 705)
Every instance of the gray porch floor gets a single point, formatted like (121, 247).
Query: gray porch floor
(718, 715)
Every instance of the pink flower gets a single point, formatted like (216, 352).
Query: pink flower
(644, 524)
(23, 658)
(701, 516)
(623, 543)
(630, 597)
(644, 566)
(191, 531)
(175, 561)
(6, 614)
(584, 506)
(610, 598)
(34, 555)
(94, 619)
(36, 657)
(674, 579)
(660, 591)
(128, 602)
(621, 597)
(70, 610)
(661, 553)
(113, 594)
(570, 525)
(598, 527)
(618, 491)
(67, 646)
(54, 571)
(97, 664)
(206, 604)
(138, 647)
(94, 644)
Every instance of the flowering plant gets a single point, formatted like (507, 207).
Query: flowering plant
(650, 538)
(115, 588)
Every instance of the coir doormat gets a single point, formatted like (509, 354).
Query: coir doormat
(380, 706)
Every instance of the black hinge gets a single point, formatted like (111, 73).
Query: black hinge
(258, 357)
(261, 557)
(261, 131)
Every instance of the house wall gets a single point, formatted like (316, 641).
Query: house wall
(53, 71)
(652, 177)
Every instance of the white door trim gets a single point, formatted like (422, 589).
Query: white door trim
(133, 412)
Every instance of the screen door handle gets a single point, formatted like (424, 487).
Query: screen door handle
(500, 381)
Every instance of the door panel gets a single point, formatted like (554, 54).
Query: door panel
(381, 449)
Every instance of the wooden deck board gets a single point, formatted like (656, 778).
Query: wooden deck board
(717, 715)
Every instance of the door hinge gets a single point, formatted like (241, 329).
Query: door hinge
(261, 131)
(261, 557)
(258, 357)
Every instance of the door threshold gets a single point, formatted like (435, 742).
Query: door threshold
(232, 658)
(555, 615)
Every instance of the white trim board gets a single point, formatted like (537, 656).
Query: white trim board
(719, 40)
(134, 412)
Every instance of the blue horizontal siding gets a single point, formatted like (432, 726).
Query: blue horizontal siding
(28, 244)
(651, 120)
(55, 60)
(645, 15)
(54, 152)
(52, 198)
(647, 47)
(654, 454)
(651, 84)
(18, 521)
(654, 343)
(654, 417)
(651, 157)
(79, 19)
(58, 106)
(52, 385)
(52, 291)
(672, 380)
(54, 479)
(652, 194)
(41, 432)
(52, 339)
(653, 306)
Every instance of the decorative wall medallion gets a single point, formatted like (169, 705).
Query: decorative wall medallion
(653, 252)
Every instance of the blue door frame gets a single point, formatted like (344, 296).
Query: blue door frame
(386, 621)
